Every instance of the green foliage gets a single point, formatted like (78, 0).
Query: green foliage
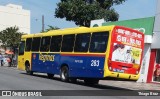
(83, 11)
(10, 37)
(51, 28)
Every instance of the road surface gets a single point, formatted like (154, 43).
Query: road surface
(13, 79)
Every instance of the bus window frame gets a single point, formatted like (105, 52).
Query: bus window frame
(81, 39)
(30, 45)
(106, 43)
(65, 45)
(59, 43)
(39, 44)
(24, 43)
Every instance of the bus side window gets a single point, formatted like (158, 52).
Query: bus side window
(68, 43)
(21, 47)
(99, 42)
(36, 44)
(82, 42)
(55, 43)
(45, 44)
(28, 44)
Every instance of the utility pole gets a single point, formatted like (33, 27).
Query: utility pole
(42, 23)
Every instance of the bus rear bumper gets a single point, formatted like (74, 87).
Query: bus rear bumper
(123, 76)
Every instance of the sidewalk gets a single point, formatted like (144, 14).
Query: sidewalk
(131, 85)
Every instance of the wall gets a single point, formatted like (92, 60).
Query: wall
(155, 45)
(156, 31)
(14, 15)
(145, 64)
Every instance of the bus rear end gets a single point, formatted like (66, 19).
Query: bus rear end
(125, 56)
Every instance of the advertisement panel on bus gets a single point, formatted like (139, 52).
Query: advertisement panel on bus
(126, 50)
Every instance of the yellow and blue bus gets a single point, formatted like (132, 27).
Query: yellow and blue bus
(84, 53)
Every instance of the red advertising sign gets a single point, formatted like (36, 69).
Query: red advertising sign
(126, 50)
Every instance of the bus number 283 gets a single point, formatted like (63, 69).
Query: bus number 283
(95, 63)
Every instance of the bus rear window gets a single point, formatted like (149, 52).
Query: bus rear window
(99, 42)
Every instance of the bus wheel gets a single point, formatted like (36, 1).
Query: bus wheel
(64, 74)
(50, 76)
(28, 71)
(91, 81)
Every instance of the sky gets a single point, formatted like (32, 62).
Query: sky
(131, 9)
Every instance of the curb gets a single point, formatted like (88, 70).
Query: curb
(130, 85)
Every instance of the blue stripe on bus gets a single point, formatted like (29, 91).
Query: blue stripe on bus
(79, 66)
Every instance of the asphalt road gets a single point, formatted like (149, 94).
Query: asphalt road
(13, 79)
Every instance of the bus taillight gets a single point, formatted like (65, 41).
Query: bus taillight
(137, 72)
(109, 64)
(110, 68)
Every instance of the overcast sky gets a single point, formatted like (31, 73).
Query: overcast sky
(131, 9)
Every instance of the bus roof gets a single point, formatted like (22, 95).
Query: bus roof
(70, 31)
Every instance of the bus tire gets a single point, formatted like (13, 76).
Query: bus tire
(91, 81)
(64, 74)
(27, 68)
(50, 76)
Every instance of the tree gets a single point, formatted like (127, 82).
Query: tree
(10, 37)
(83, 11)
(51, 28)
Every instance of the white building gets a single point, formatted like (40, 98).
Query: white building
(14, 15)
